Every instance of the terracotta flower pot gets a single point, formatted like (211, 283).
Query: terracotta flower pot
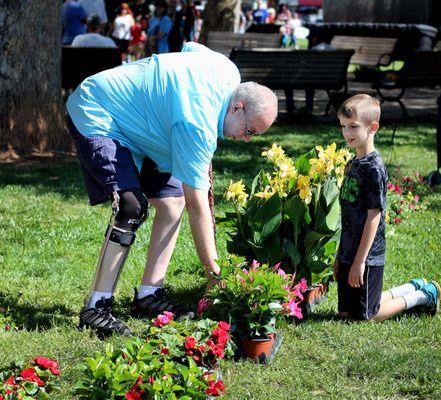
(253, 348)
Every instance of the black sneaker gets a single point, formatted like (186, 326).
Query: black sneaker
(101, 319)
(154, 304)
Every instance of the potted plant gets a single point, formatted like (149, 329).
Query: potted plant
(255, 298)
(291, 214)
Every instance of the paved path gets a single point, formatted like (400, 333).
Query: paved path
(421, 104)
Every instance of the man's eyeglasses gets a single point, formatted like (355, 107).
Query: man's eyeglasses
(247, 131)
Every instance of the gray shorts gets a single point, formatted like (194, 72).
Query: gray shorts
(109, 167)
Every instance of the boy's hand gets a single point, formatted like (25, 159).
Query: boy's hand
(335, 266)
(356, 273)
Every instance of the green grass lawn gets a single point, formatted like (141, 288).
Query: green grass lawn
(50, 238)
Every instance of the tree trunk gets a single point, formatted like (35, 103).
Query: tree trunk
(31, 107)
(220, 15)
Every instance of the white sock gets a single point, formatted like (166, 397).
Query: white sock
(96, 296)
(146, 290)
(417, 298)
(400, 291)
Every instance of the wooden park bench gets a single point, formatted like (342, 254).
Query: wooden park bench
(294, 69)
(224, 42)
(77, 63)
(369, 51)
(420, 69)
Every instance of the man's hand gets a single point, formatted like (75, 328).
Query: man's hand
(356, 273)
(201, 224)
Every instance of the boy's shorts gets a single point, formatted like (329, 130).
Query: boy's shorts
(109, 167)
(360, 303)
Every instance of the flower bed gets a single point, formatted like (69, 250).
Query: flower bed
(175, 360)
(291, 214)
(31, 381)
(404, 193)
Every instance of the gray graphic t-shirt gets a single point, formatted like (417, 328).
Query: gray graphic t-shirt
(364, 188)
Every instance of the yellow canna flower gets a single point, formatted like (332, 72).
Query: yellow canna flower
(317, 166)
(266, 194)
(274, 154)
(236, 193)
(286, 168)
(304, 188)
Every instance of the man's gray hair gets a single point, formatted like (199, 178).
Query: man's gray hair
(257, 98)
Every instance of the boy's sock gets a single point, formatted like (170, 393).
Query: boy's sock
(147, 290)
(402, 290)
(95, 296)
(417, 298)
(412, 286)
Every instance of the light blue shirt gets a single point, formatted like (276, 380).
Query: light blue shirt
(169, 107)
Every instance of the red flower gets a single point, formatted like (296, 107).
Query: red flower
(135, 393)
(220, 335)
(30, 375)
(398, 220)
(11, 382)
(164, 351)
(46, 363)
(7, 328)
(215, 388)
(190, 342)
(224, 326)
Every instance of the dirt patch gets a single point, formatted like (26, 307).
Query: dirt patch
(17, 158)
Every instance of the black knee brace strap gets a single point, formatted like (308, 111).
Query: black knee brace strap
(122, 237)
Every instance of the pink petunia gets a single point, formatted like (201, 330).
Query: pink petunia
(277, 266)
(163, 319)
(302, 285)
(254, 265)
(203, 305)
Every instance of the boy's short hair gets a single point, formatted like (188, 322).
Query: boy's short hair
(362, 106)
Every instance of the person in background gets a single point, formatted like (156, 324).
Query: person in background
(137, 43)
(140, 7)
(282, 14)
(176, 34)
(121, 29)
(93, 38)
(74, 21)
(260, 14)
(95, 7)
(271, 13)
(189, 21)
(159, 29)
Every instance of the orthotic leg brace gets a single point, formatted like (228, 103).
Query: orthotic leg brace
(114, 251)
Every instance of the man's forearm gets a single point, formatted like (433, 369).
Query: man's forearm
(201, 227)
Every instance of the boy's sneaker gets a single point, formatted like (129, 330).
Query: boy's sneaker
(433, 290)
(101, 319)
(419, 283)
(154, 304)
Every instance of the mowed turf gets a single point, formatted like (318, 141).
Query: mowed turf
(50, 239)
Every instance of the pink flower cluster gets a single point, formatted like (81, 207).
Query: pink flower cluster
(163, 319)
